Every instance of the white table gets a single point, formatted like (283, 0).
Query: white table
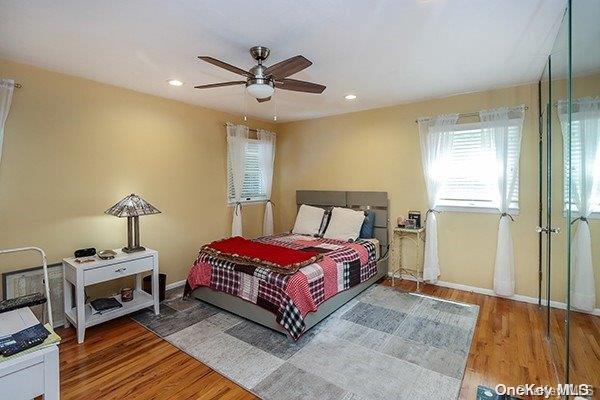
(79, 275)
(417, 237)
(31, 374)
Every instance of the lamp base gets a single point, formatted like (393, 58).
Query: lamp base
(133, 249)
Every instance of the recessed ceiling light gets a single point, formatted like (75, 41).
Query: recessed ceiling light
(350, 97)
(175, 82)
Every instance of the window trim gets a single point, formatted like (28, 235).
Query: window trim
(575, 214)
(249, 202)
(474, 209)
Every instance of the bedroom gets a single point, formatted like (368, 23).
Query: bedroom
(92, 118)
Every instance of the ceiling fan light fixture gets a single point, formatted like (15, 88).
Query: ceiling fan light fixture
(260, 90)
(350, 97)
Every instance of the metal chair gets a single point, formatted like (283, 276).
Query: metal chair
(30, 300)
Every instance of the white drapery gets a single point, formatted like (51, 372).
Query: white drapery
(237, 137)
(6, 92)
(496, 131)
(435, 139)
(267, 153)
(585, 191)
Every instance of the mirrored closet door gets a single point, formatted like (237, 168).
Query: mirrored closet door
(570, 195)
(583, 212)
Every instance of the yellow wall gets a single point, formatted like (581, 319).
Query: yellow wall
(74, 147)
(379, 150)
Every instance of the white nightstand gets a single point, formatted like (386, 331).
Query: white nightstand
(79, 275)
(417, 236)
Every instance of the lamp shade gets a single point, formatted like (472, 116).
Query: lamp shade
(132, 206)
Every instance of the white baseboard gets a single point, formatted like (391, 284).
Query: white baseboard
(490, 292)
(174, 285)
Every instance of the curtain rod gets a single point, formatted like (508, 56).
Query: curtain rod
(471, 114)
(250, 129)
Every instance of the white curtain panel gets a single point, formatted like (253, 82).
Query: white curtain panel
(267, 144)
(6, 92)
(435, 138)
(237, 137)
(496, 131)
(585, 191)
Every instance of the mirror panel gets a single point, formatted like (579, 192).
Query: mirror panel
(584, 156)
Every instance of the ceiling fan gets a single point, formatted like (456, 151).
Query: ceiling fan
(261, 80)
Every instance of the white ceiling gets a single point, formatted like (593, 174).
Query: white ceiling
(386, 51)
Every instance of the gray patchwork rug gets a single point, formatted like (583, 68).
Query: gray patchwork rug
(383, 344)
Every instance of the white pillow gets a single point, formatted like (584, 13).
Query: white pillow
(344, 224)
(308, 220)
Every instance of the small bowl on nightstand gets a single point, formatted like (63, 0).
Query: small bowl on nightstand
(106, 254)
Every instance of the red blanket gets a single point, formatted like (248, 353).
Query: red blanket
(278, 258)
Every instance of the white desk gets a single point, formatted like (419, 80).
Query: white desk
(79, 275)
(31, 374)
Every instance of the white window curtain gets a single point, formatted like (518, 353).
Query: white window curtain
(237, 136)
(267, 143)
(6, 92)
(506, 146)
(585, 191)
(435, 138)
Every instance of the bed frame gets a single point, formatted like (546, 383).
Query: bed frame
(375, 201)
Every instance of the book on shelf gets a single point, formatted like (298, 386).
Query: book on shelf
(104, 305)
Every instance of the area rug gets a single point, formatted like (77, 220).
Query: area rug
(383, 344)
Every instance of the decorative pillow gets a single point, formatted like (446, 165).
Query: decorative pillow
(344, 224)
(308, 220)
(368, 227)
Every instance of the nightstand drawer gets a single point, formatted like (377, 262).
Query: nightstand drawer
(114, 271)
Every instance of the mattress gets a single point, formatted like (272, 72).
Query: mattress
(291, 297)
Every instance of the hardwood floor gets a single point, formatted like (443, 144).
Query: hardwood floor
(122, 360)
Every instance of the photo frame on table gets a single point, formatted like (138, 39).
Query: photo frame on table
(410, 224)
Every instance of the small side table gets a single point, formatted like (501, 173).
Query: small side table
(79, 275)
(417, 237)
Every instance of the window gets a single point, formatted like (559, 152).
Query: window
(469, 172)
(253, 186)
(576, 170)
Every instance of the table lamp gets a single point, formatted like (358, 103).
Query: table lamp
(132, 207)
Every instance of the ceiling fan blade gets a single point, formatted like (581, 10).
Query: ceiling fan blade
(214, 85)
(226, 66)
(263, 100)
(288, 67)
(299, 86)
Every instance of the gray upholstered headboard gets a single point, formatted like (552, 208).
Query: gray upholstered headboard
(376, 201)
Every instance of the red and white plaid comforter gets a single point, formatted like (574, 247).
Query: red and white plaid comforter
(290, 297)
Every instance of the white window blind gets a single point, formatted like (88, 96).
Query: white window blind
(576, 161)
(470, 170)
(253, 185)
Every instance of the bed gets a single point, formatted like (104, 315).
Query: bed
(294, 303)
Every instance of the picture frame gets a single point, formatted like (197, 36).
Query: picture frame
(410, 224)
(19, 282)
